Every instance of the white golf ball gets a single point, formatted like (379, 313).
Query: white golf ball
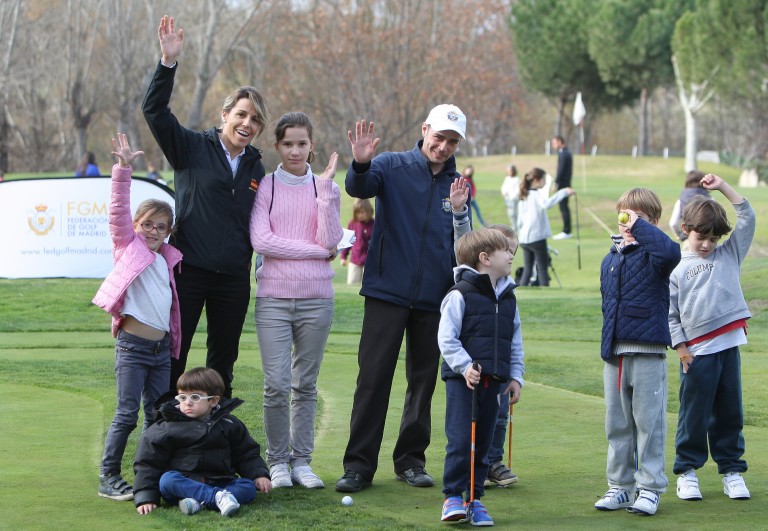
(346, 500)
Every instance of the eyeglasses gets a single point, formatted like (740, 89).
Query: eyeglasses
(194, 397)
(148, 226)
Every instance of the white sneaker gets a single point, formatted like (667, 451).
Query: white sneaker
(189, 506)
(615, 498)
(688, 486)
(226, 502)
(734, 486)
(647, 503)
(562, 236)
(303, 475)
(280, 476)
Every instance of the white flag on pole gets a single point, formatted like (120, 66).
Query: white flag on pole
(579, 112)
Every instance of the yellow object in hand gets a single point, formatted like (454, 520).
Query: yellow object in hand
(623, 217)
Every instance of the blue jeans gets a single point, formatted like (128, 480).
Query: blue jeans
(458, 431)
(496, 453)
(142, 369)
(175, 486)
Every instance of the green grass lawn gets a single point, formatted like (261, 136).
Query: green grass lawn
(56, 369)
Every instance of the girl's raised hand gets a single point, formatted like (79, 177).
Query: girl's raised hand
(363, 143)
(170, 42)
(123, 150)
(330, 170)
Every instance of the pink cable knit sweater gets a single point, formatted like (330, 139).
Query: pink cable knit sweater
(296, 237)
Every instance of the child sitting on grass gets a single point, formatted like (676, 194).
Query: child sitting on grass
(708, 320)
(198, 455)
(479, 323)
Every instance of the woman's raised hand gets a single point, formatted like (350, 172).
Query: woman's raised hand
(170, 42)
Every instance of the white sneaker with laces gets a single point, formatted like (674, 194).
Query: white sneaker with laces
(647, 503)
(688, 486)
(615, 498)
(562, 236)
(303, 475)
(280, 476)
(734, 486)
(226, 502)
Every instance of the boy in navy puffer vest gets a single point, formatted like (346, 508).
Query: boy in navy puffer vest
(479, 323)
(634, 284)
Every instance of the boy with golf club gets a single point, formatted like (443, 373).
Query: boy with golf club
(481, 344)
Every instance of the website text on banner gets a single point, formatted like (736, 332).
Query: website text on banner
(60, 227)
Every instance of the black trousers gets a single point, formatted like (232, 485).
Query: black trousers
(565, 212)
(384, 325)
(225, 298)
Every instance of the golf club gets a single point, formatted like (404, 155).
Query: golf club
(471, 503)
(578, 231)
(509, 436)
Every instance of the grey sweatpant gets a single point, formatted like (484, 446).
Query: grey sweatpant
(636, 421)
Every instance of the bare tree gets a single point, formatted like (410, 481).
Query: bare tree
(9, 14)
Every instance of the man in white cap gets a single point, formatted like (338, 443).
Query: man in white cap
(408, 270)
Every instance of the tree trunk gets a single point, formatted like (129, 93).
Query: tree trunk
(642, 140)
(691, 139)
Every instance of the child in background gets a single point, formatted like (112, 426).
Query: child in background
(708, 321)
(197, 454)
(693, 189)
(469, 174)
(533, 224)
(295, 226)
(469, 334)
(498, 473)
(87, 166)
(634, 284)
(510, 191)
(140, 293)
(362, 225)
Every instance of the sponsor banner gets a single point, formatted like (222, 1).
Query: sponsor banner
(60, 227)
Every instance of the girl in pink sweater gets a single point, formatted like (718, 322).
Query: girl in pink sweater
(295, 227)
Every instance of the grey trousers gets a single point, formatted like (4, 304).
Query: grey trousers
(292, 336)
(636, 421)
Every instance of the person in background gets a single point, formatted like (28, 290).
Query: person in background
(216, 175)
(634, 285)
(408, 271)
(362, 225)
(533, 224)
(140, 294)
(198, 455)
(692, 189)
(153, 174)
(708, 322)
(468, 174)
(87, 166)
(510, 191)
(296, 228)
(563, 180)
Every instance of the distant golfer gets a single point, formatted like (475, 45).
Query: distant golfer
(563, 180)
(407, 273)
(480, 323)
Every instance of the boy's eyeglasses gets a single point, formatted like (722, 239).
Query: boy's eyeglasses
(194, 397)
(148, 226)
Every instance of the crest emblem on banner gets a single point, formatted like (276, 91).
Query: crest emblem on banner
(41, 221)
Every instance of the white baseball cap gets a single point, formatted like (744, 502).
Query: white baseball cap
(447, 117)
